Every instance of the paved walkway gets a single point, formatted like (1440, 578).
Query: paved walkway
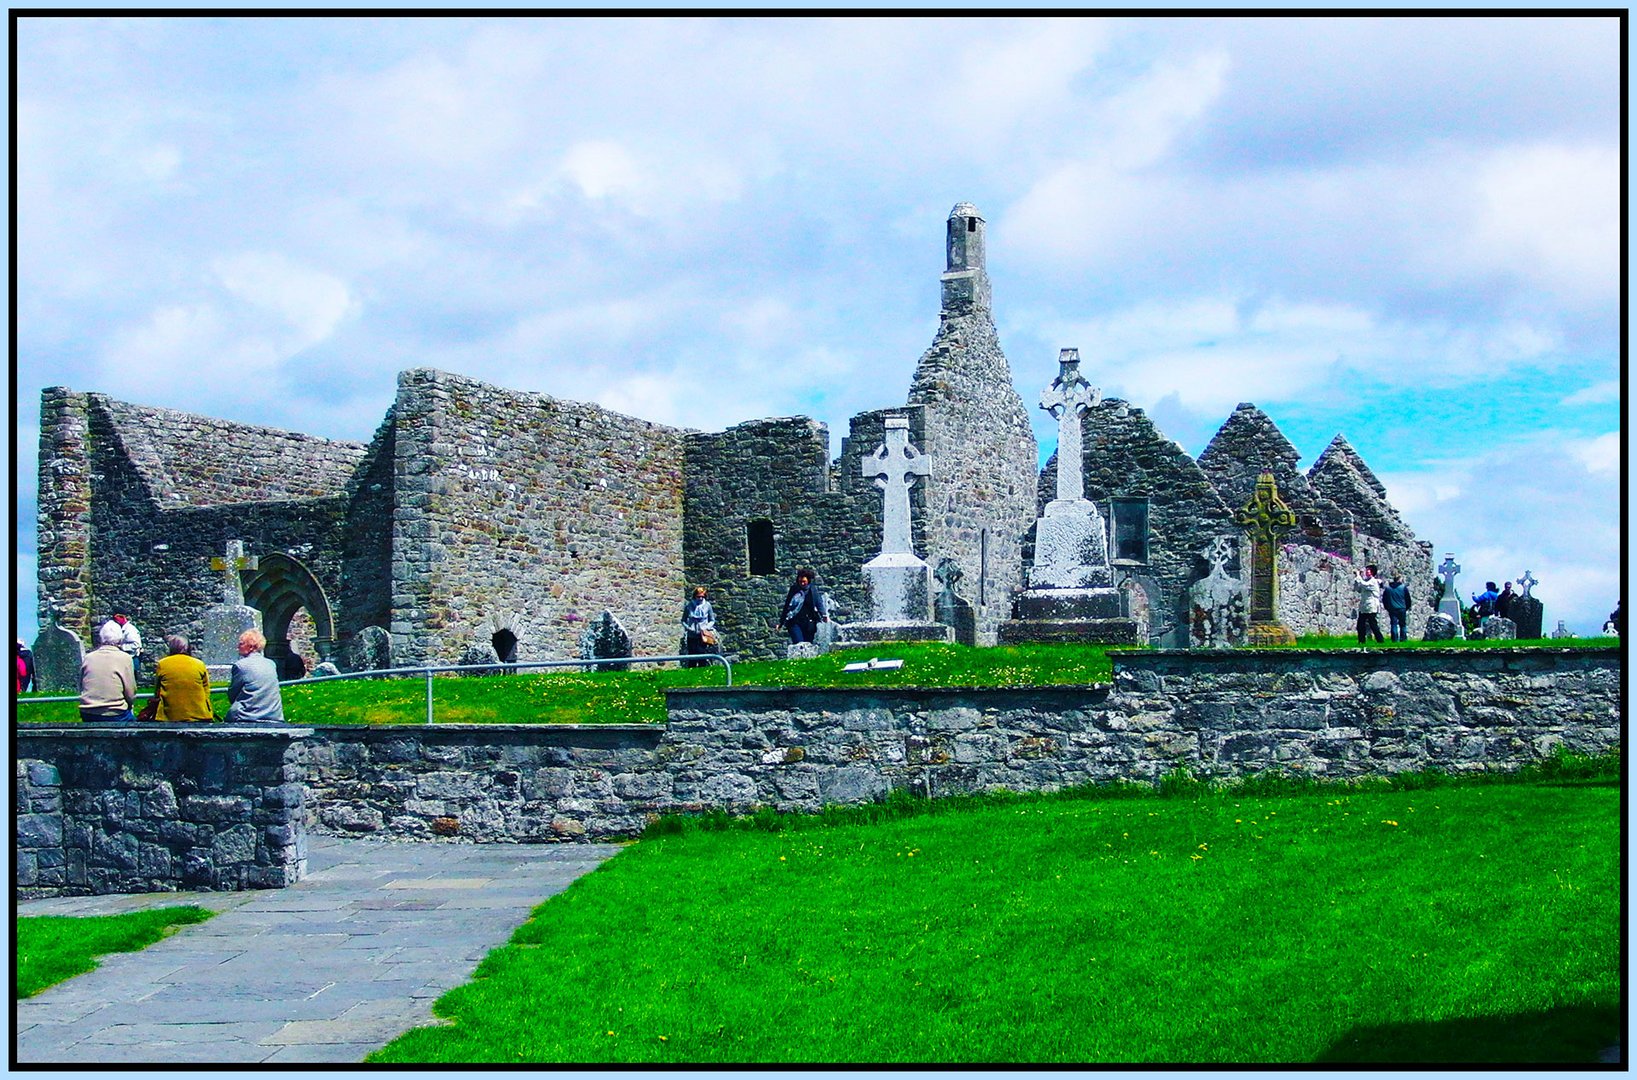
(323, 971)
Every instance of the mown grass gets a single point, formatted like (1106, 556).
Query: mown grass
(1469, 923)
(637, 696)
(51, 948)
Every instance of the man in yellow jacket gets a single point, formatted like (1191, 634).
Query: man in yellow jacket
(182, 684)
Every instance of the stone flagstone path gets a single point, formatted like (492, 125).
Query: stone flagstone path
(323, 971)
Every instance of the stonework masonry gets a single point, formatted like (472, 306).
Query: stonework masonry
(136, 809)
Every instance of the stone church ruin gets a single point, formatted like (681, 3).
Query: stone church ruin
(481, 518)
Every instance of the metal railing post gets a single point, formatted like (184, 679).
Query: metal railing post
(429, 695)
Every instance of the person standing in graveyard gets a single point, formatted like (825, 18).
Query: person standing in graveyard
(1503, 602)
(698, 627)
(1483, 604)
(1395, 601)
(24, 657)
(107, 680)
(130, 639)
(253, 689)
(803, 608)
(1367, 587)
(181, 685)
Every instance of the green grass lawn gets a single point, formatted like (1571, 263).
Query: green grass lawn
(1469, 923)
(1350, 641)
(637, 696)
(51, 948)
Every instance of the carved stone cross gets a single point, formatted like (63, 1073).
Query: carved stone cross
(1449, 569)
(1267, 518)
(1528, 581)
(1066, 399)
(894, 467)
(229, 567)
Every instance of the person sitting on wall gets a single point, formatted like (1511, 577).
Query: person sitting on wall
(181, 685)
(1368, 589)
(1395, 601)
(107, 680)
(130, 639)
(1483, 604)
(253, 690)
(698, 627)
(803, 608)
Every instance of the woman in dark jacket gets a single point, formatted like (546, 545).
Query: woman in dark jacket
(803, 608)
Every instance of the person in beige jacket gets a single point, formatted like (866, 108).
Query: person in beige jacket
(107, 680)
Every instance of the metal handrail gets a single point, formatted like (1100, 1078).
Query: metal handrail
(498, 667)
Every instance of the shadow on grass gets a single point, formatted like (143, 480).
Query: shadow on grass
(1571, 1034)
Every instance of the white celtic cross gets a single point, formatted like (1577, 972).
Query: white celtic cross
(894, 467)
(1449, 570)
(1066, 399)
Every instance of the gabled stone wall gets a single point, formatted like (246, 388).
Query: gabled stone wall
(520, 509)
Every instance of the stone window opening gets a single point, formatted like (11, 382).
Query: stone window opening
(759, 547)
(971, 224)
(1130, 528)
(505, 645)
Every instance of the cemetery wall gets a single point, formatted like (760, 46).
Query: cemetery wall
(776, 471)
(1330, 714)
(157, 810)
(153, 516)
(518, 510)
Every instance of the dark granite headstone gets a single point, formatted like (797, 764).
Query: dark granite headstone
(369, 650)
(605, 639)
(1440, 627)
(1527, 613)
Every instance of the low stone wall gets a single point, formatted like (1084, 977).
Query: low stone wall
(157, 809)
(511, 782)
(106, 809)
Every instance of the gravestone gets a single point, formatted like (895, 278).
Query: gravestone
(1562, 631)
(1217, 602)
(897, 581)
(480, 652)
(1450, 605)
(1267, 518)
(1526, 610)
(58, 654)
(221, 624)
(1070, 594)
(605, 639)
(324, 668)
(369, 650)
(949, 607)
(801, 650)
(1497, 628)
(1441, 627)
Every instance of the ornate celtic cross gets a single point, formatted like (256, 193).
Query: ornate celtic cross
(1449, 569)
(894, 467)
(1527, 581)
(1066, 399)
(1267, 518)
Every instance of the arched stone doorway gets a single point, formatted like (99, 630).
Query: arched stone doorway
(279, 588)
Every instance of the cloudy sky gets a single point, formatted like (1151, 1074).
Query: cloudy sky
(1405, 230)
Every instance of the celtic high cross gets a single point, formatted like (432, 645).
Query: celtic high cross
(1066, 399)
(1267, 517)
(229, 567)
(1528, 581)
(1449, 569)
(894, 467)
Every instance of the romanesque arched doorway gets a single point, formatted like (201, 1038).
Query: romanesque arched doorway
(279, 588)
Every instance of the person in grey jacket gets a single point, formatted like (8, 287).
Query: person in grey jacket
(1395, 601)
(253, 689)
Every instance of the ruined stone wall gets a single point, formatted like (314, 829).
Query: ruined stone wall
(64, 520)
(365, 598)
(776, 470)
(1249, 444)
(1125, 455)
(106, 810)
(521, 510)
(151, 556)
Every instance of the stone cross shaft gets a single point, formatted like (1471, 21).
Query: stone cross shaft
(894, 467)
(1528, 581)
(1449, 569)
(1066, 399)
(229, 567)
(1266, 517)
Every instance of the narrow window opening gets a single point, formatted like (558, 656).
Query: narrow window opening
(971, 224)
(759, 547)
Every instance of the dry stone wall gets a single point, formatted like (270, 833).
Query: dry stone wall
(523, 511)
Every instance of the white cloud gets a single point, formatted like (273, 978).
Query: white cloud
(1597, 394)
(1599, 455)
(310, 302)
